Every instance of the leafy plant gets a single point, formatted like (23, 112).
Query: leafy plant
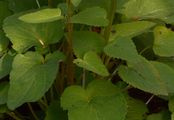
(86, 59)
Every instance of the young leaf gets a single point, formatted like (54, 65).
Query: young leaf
(42, 16)
(130, 29)
(30, 78)
(92, 62)
(5, 65)
(122, 48)
(4, 86)
(85, 41)
(24, 35)
(93, 104)
(94, 16)
(143, 9)
(163, 43)
(76, 2)
(143, 75)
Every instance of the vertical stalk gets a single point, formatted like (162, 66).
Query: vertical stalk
(69, 27)
(110, 17)
(50, 3)
(107, 31)
(38, 4)
(12, 114)
(84, 78)
(32, 112)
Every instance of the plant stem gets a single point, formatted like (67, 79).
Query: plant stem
(111, 14)
(84, 78)
(114, 73)
(11, 114)
(150, 99)
(38, 4)
(146, 48)
(43, 103)
(107, 31)
(45, 100)
(32, 111)
(50, 3)
(41, 106)
(70, 58)
(52, 93)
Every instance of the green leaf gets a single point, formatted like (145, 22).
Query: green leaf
(163, 43)
(94, 16)
(4, 11)
(136, 109)
(3, 109)
(167, 60)
(85, 41)
(92, 62)
(54, 112)
(76, 2)
(24, 35)
(20, 5)
(164, 115)
(93, 104)
(42, 16)
(143, 75)
(93, 3)
(166, 74)
(145, 9)
(171, 104)
(5, 65)
(3, 41)
(172, 116)
(130, 29)
(4, 86)
(30, 78)
(169, 19)
(122, 48)
(73, 96)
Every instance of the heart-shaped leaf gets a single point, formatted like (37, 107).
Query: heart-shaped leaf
(143, 9)
(94, 16)
(85, 41)
(31, 77)
(122, 48)
(163, 43)
(25, 35)
(130, 29)
(143, 75)
(93, 104)
(92, 62)
(42, 16)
